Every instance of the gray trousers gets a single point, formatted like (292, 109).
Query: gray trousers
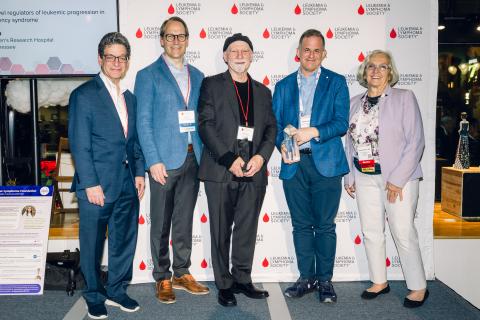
(236, 204)
(172, 205)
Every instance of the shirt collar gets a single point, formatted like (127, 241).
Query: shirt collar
(110, 85)
(169, 62)
(315, 74)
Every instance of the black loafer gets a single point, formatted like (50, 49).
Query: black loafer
(407, 303)
(249, 290)
(367, 295)
(226, 298)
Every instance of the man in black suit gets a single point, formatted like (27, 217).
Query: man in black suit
(238, 128)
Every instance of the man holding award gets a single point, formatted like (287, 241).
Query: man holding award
(237, 127)
(311, 106)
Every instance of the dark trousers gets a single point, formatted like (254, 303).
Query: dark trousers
(238, 204)
(121, 217)
(313, 201)
(172, 205)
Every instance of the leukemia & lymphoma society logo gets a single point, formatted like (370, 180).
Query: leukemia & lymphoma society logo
(394, 262)
(311, 8)
(409, 79)
(247, 8)
(350, 78)
(219, 33)
(342, 32)
(406, 32)
(258, 55)
(196, 239)
(276, 217)
(344, 261)
(145, 265)
(148, 32)
(346, 216)
(278, 261)
(373, 9)
(144, 219)
(279, 33)
(184, 8)
(274, 171)
(259, 238)
(192, 56)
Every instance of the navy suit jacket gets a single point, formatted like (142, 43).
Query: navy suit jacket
(329, 115)
(97, 141)
(159, 100)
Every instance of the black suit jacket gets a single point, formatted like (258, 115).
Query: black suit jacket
(218, 122)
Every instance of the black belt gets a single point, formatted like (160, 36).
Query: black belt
(306, 151)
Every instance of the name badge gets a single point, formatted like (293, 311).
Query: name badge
(245, 133)
(186, 120)
(305, 121)
(365, 157)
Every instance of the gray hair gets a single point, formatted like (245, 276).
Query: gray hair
(111, 39)
(393, 76)
(311, 33)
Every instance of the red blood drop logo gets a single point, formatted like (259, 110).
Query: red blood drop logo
(361, 57)
(266, 34)
(203, 34)
(358, 240)
(266, 81)
(298, 10)
(387, 262)
(171, 9)
(204, 264)
(142, 265)
(329, 33)
(234, 9)
(360, 10)
(265, 263)
(171, 242)
(141, 220)
(139, 33)
(393, 33)
(297, 59)
(266, 218)
(203, 219)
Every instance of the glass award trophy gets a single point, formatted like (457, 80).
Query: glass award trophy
(292, 153)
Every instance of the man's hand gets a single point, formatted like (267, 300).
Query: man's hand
(393, 192)
(95, 195)
(236, 168)
(159, 173)
(350, 190)
(140, 186)
(304, 135)
(254, 165)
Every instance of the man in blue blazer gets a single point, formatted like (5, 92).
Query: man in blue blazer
(167, 93)
(109, 176)
(315, 101)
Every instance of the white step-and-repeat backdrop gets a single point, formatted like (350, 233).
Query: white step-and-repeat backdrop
(352, 29)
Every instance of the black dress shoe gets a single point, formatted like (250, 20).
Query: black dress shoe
(407, 303)
(226, 298)
(367, 295)
(249, 290)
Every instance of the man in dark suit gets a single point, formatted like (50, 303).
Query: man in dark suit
(167, 93)
(314, 100)
(109, 176)
(237, 127)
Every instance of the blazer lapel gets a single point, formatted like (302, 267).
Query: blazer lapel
(131, 116)
(320, 91)
(108, 102)
(257, 109)
(231, 97)
(165, 70)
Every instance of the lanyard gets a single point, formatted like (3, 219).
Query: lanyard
(187, 97)
(244, 110)
(299, 82)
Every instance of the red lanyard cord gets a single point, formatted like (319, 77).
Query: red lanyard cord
(244, 112)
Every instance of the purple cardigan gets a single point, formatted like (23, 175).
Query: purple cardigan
(401, 138)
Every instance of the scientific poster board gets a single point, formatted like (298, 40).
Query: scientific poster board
(24, 225)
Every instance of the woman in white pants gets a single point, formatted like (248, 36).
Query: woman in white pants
(384, 145)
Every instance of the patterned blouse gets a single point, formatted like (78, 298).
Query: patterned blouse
(364, 126)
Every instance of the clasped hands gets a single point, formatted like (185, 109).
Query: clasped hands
(253, 166)
(301, 135)
(393, 192)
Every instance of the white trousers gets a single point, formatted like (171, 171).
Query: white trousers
(372, 204)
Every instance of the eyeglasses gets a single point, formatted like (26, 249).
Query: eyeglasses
(380, 67)
(180, 37)
(111, 58)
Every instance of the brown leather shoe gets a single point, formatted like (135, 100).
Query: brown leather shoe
(165, 292)
(189, 284)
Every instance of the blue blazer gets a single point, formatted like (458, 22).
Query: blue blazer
(159, 100)
(97, 141)
(329, 115)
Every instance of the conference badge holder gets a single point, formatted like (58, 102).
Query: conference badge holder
(365, 158)
(186, 120)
